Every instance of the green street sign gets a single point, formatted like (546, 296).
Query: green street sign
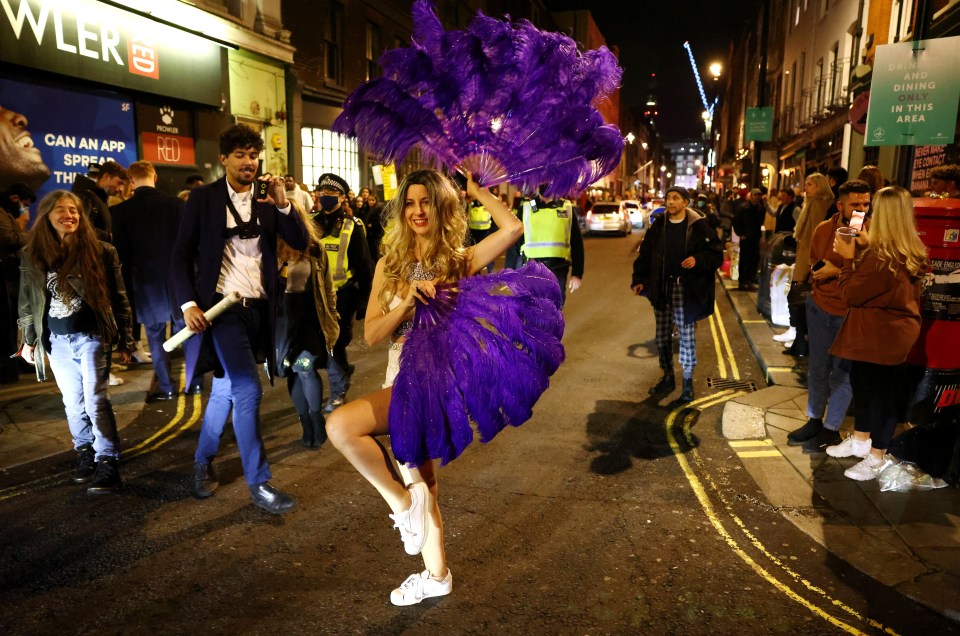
(759, 124)
(914, 94)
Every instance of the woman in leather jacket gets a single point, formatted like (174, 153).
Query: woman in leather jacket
(73, 308)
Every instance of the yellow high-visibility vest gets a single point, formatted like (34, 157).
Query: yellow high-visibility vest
(480, 219)
(336, 248)
(546, 232)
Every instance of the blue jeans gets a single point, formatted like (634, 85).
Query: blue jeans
(828, 377)
(156, 334)
(81, 366)
(240, 390)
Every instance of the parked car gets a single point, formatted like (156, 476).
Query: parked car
(635, 211)
(608, 216)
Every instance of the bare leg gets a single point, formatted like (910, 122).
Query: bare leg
(434, 558)
(352, 429)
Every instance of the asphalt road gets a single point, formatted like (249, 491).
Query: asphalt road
(608, 513)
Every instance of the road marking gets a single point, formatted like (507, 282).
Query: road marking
(700, 492)
(759, 453)
(742, 443)
(716, 343)
(754, 322)
(726, 343)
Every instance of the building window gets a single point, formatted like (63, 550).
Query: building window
(333, 44)
(327, 151)
(818, 80)
(373, 50)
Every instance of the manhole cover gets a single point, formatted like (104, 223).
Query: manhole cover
(736, 385)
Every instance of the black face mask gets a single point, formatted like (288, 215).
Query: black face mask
(328, 202)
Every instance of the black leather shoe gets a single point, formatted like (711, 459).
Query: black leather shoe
(687, 394)
(205, 481)
(271, 499)
(161, 396)
(107, 477)
(666, 385)
(86, 464)
(194, 390)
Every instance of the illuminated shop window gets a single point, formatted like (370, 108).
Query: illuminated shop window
(327, 151)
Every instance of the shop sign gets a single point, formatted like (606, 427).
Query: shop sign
(95, 41)
(166, 133)
(64, 132)
(914, 94)
(759, 124)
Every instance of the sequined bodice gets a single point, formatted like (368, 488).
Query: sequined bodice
(417, 273)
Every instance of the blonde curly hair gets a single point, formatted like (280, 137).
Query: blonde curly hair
(445, 255)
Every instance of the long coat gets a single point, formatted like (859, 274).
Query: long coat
(198, 255)
(698, 282)
(144, 228)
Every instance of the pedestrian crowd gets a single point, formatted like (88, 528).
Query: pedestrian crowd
(94, 272)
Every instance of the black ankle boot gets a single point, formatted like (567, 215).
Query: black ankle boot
(86, 464)
(666, 385)
(687, 394)
(308, 439)
(319, 427)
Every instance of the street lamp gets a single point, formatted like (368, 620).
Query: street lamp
(716, 69)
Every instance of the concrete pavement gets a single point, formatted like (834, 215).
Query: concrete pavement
(908, 541)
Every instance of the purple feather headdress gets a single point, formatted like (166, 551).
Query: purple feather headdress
(504, 100)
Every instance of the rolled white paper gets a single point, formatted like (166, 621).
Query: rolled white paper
(184, 334)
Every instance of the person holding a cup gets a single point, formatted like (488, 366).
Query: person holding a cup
(880, 281)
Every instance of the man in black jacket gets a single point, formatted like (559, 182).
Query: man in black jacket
(675, 270)
(144, 228)
(748, 218)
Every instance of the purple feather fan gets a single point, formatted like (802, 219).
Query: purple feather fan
(480, 355)
(504, 100)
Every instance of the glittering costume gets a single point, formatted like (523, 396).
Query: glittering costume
(501, 332)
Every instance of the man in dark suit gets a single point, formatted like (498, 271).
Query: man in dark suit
(228, 243)
(144, 228)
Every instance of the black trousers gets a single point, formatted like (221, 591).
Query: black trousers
(749, 259)
(876, 396)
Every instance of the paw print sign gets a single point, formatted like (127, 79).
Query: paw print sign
(166, 115)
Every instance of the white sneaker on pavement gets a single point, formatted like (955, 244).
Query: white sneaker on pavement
(412, 522)
(868, 468)
(115, 380)
(850, 447)
(420, 586)
(789, 334)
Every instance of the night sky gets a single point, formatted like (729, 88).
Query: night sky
(651, 35)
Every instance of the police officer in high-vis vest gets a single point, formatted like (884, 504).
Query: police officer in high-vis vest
(345, 241)
(551, 235)
(480, 223)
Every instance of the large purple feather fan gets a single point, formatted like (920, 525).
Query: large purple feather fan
(479, 357)
(501, 99)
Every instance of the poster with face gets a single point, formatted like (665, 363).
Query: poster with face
(49, 135)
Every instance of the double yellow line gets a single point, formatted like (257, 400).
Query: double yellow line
(712, 515)
(724, 353)
(170, 431)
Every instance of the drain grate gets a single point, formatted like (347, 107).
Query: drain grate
(736, 385)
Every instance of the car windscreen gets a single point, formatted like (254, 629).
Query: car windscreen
(605, 209)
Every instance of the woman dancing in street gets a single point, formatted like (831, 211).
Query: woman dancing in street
(423, 248)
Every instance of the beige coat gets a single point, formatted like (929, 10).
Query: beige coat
(809, 219)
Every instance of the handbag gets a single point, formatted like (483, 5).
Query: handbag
(799, 290)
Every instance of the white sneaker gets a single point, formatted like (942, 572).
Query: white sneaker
(868, 468)
(141, 356)
(850, 447)
(789, 334)
(420, 586)
(115, 380)
(412, 522)
(787, 344)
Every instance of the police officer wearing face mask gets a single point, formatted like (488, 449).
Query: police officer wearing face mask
(345, 241)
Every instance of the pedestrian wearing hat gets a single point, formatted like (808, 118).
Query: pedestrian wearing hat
(344, 239)
(675, 270)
